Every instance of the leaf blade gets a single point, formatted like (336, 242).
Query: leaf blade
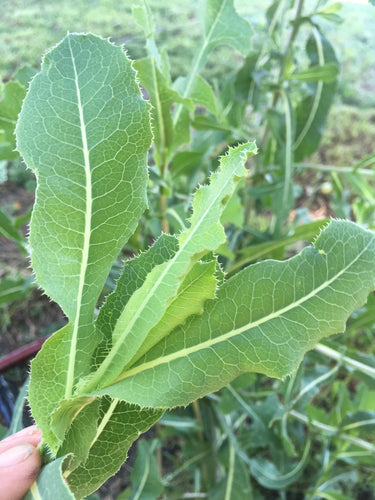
(263, 320)
(147, 305)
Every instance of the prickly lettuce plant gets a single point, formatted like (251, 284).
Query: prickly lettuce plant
(175, 328)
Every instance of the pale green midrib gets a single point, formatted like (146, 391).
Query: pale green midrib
(229, 486)
(12, 290)
(288, 475)
(105, 421)
(288, 150)
(317, 96)
(120, 340)
(141, 352)
(35, 491)
(145, 474)
(86, 236)
(100, 428)
(8, 120)
(159, 108)
(226, 336)
(194, 70)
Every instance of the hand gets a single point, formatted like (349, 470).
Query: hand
(19, 463)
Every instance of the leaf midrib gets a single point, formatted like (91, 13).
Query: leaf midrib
(95, 379)
(86, 234)
(232, 333)
(194, 71)
(318, 93)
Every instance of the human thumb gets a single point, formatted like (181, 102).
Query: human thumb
(19, 467)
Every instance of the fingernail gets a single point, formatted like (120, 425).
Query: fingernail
(15, 455)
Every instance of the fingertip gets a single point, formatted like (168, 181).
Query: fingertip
(19, 467)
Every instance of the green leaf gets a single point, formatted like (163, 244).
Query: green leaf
(201, 92)
(332, 8)
(264, 319)
(236, 484)
(325, 73)
(162, 96)
(306, 232)
(222, 25)
(185, 162)
(118, 427)
(50, 484)
(147, 484)
(25, 74)
(84, 130)
(14, 289)
(312, 111)
(148, 304)
(10, 106)
(268, 475)
(198, 286)
(16, 423)
(8, 229)
(132, 277)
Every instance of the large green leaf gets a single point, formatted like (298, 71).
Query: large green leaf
(222, 25)
(84, 130)
(148, 304)
(264, 319)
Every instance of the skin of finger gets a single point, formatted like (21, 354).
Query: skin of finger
(16, 480)
(30, 435)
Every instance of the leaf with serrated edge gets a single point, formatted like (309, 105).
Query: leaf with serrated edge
(119, 426)
(50, 484)
(264, 319)
(84, 130)
(132, 277)
(198, 286)
(148, 304)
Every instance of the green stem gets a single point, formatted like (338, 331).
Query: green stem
(198, 63)
(337, 356)
(339, 170)
(329, 429)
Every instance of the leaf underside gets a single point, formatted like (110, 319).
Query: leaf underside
(264, 319)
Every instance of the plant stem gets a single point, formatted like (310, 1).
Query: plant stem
(163, 210)
(337, 356)
(198, 418)
(339, 170)
(361, 443)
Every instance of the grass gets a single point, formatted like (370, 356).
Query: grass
(28, 28)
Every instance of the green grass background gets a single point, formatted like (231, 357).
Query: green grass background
(29, 27)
